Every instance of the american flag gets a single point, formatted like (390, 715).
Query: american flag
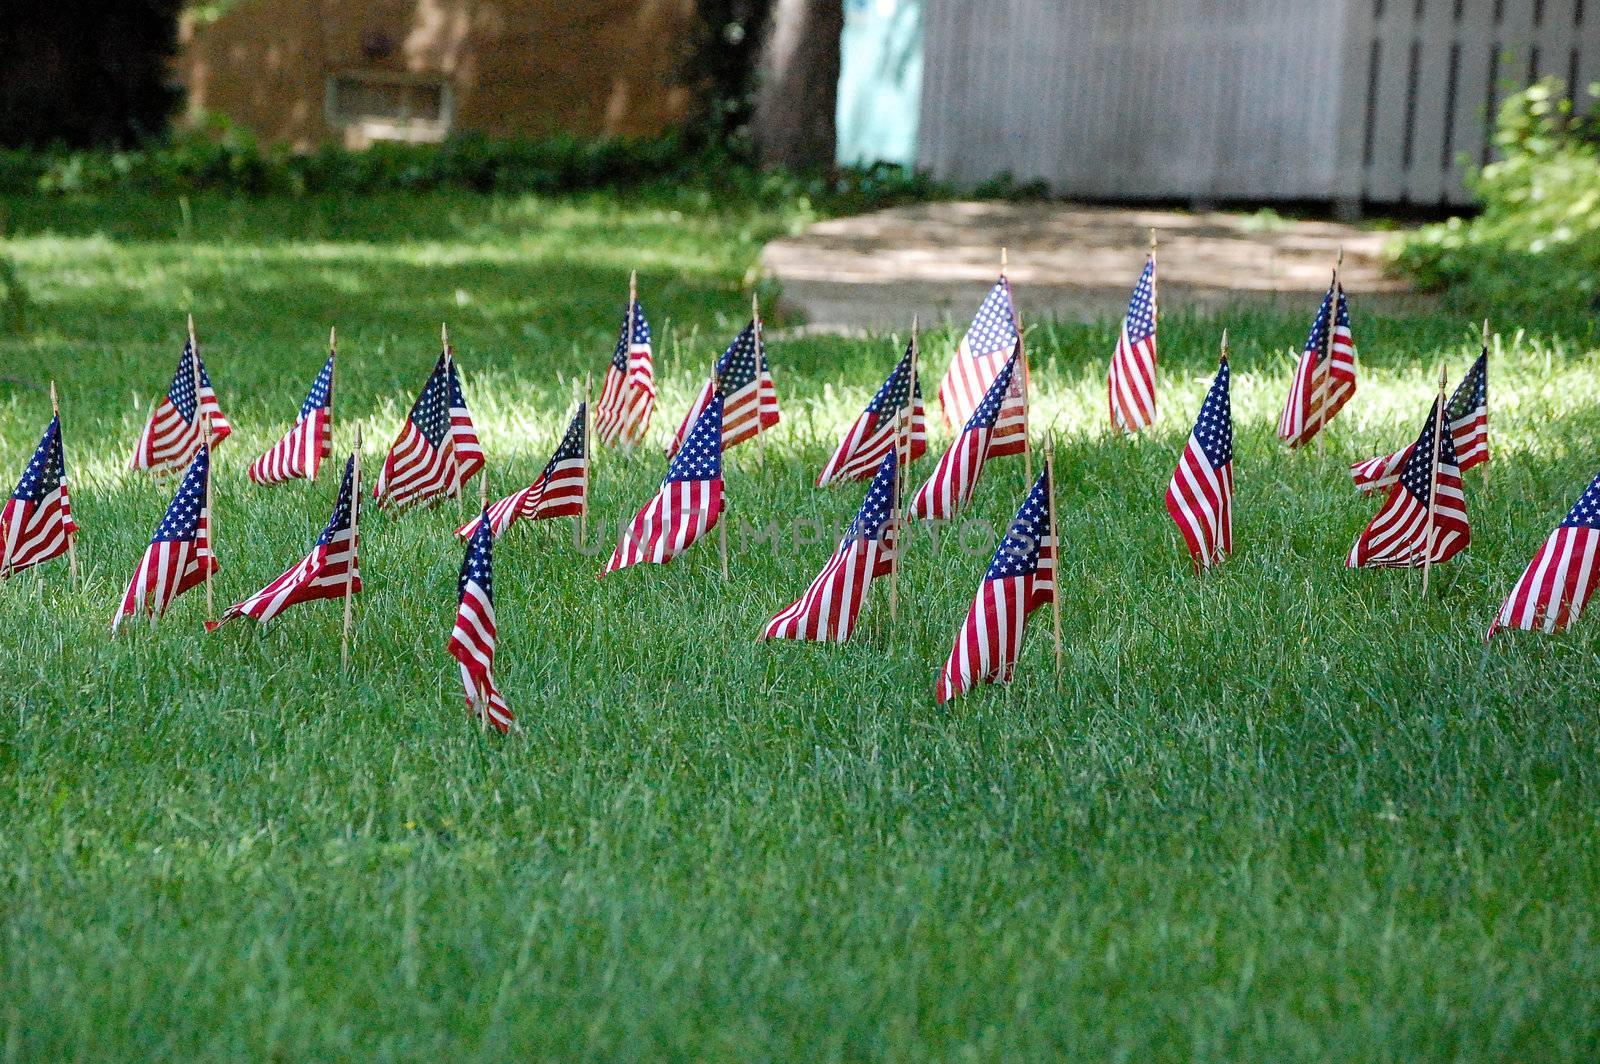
(473, 637)
(322, 574)
(1401, 534)
(562, 490)
(425, 463)
(1200, 496)
(689, 502)
(1467, 416)
(1553, 589)
(877, 431)
(1321, 386)
(954, 479)
(174, 432)
(990, 340)
(179, 555)
(469, 452)
(628, 396)
(750, 400)
(37, 523)
(302, 449)
(1020, 579)
(1131, 382)
(827, 611)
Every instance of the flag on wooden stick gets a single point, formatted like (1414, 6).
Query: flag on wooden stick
(179, 556)
(328, 572)
(750, 403)
(950, 487)
(628, 394)
(984, 350)
(562, 490)
(827, 611)
(1200, 495)
(1325, 376)
(1557, 583)
(1020, 579)
(472, 640)
(1131, 382)
(1467, 419)
(689, 503)
(1423, 521)
(300, 452)
(437, 449)
(37, 523)
(875, 432)
(173, 433)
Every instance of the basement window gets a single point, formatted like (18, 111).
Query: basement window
(371, 106)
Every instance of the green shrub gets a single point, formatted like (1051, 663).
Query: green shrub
(1537, 239)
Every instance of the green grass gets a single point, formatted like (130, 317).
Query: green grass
(1285, 812)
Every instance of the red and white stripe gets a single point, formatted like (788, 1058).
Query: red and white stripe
(869, 439)
(627, 400)
(1470, 436)
(31, 533)
(322, 574)
(168, 441)
(415, 471)
(990, 640)
(1200, 503)
(949, 488)
(827, 611)
(562, 491)
(298, 454)
(751, 410)
(1556, 585)
(1010, 435)
(1380, 472)
(1401, 535)
(681, 512)
(472, 643)
(1132, 382)
(1319, 390)
(468, 451)
(167, 570)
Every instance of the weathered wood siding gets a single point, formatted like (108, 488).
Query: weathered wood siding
(1373, 100)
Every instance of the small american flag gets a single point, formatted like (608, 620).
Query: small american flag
(689, 502)
(469, 452)
(37, 523)
(425, 463)
(955, 478)
(562, 490)
(301, 451)
(877, 431)
(1020, 579)
(628, 396)
(472, 639)
(322, 574)
(174, 432)
(1131, 382)
(989, 341)
(1404, 533)
(827, 611)
(1467, 416)
(1200, 496)
(751, 401)
(1553, 589)
(179, 556)
(1321, 386)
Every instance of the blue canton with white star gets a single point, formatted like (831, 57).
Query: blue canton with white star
(873, 517)
(458, 401)
(1142, 308)
(1319, 325)
(738, 366)
(340, 521)
(1585, 513)
(321, 389)
(1018, 553)
(431, 413)
(1472, 392)
(641, 335)
(1419, 466)
(46, 469)
(895, 392)
(700, 457)
(1213, 429)
(181, 391)
(994, 327)
(984, 416)
(478, 565)
(182, 522)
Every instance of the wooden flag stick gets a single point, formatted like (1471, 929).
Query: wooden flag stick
(1486, 463)
(205, 434)
(1433, 483)
(355, 544)
(333, 352)
(588, 459)
(1022, 361)
(761, 432)
(1326, 359)
(72, 537)
(1055, 552)
(902, 456)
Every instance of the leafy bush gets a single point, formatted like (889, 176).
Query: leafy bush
(1537, 240)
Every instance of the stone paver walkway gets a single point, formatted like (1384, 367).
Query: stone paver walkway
(872, 272)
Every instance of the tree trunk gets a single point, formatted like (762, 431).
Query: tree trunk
(799, 84)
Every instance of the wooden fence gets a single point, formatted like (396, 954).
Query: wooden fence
(1346, 100)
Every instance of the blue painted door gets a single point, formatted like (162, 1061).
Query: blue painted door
(880, 81)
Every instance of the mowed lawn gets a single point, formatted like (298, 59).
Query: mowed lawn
(1285, 812)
